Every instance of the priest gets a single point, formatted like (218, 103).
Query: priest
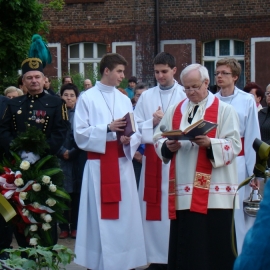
(203, 177)
(109, 232)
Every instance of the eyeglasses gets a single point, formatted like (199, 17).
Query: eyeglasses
(267, 94)
(222, 73)
(193, 88)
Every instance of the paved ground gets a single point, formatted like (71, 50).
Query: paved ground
(70, 243)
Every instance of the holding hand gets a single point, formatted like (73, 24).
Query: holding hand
(125, 140)
(157, 116)
(202, 141)
(118, 124)
(173, 145)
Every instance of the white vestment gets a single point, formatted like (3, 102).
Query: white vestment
(156, 233)
(225, 147)
(245, 106)
(115, 244)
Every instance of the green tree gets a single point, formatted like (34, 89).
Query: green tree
(20, 19)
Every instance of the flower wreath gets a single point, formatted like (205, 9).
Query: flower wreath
(33, 190)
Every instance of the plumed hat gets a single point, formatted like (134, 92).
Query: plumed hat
(39, 55)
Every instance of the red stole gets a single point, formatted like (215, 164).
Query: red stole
(152, 187)
(201, 184)
(110, 188)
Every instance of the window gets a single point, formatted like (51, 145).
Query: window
(218, 49)
(84, 57)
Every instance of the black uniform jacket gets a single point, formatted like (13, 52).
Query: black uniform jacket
(46, 112)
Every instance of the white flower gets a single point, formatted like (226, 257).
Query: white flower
(36, 205)
(23, 195)
(46, 226)
(36, 187)
(52, 187)
(51, 202)
(43, 215)
(25, 165)
(46, 179)
(33, 241)
(48, 218)
(25, 212)
(33, 228)
(18, 182)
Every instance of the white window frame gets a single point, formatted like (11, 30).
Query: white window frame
(133, 48)
(192, 42)
(59, 57)
(253, 56)
(81, 60)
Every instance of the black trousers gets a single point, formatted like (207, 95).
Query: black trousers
(5, 233)
(201, 242)
(71, 215)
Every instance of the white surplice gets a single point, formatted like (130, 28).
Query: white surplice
(156, 233)
(245, 106)
(225, 147)
(103, 243)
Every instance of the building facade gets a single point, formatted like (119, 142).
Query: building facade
(194, 31)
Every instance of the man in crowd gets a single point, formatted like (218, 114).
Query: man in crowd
(203, 177)
(87, 84)
(45, 112)
(109, 233)
(47, 86)
(228, 71)
(153, 188)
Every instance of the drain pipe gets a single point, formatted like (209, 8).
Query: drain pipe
(157, 43)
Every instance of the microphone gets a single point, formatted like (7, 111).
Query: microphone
(163, 128)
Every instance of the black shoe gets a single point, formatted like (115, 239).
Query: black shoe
(157, 266)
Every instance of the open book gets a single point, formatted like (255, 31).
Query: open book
(201, 127)
(129, 129)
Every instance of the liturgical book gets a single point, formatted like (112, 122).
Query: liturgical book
(129, 129)
(201, 127)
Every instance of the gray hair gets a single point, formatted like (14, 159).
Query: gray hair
(203, 71)
(268, 86)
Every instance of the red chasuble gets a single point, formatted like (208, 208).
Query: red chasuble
(201, 184)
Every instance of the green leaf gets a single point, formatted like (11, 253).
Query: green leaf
(62, 194)
(50, 172)
(17, 158)
(41, 162)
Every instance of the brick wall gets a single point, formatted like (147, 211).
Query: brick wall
(134, 20)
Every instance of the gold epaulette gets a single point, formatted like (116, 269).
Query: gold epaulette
(64, 112)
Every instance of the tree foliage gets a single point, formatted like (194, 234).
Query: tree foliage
(20, 19)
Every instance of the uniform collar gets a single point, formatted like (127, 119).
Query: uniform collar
(37, 96)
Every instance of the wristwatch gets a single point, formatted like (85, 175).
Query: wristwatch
(108, 128)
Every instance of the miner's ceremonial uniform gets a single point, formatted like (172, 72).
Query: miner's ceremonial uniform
(45, 112)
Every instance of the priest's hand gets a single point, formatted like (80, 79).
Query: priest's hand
(118, 124)
(202, 141)
(173, 145)
(255, 184)
(157, 116)
(125, 140)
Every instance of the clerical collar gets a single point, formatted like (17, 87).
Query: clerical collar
(104, 88)
(36, 96)
(164, 88)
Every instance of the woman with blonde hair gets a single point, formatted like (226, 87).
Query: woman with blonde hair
(12, 92)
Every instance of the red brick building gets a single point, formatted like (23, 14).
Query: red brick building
(201, 31)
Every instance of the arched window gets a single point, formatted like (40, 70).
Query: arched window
(221, 48)
(84, 57)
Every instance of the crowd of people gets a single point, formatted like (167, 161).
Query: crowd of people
(145, 199)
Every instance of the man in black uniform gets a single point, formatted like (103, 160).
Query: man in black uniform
(46, 112)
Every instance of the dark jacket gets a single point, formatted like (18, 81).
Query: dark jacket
(46, 112)
(74, 166)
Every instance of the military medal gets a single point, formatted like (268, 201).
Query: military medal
(42, 114)
(34, 116)
(38, 114)
(19, 111)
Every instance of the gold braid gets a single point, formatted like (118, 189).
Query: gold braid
(64, 112)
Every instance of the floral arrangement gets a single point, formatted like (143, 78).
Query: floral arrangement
(33, 190)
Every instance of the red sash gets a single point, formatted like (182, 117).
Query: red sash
(110, 188)
(152, 188)
(201, 185)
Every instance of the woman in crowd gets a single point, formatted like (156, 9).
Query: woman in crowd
(12, 92)
(72, 161)
(256, 91)
(264, 119)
